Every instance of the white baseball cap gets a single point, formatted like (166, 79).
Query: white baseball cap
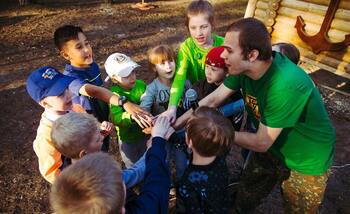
(119, 64)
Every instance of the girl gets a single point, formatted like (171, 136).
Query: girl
(156, 97)
(192, 52)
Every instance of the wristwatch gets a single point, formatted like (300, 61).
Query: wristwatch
(122, 100)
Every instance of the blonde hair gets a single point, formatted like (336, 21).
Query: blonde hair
(211, 133)
(92, 185)
(73, 132)
(200, 7)
(159, 54)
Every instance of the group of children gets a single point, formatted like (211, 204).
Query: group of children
(80, 114)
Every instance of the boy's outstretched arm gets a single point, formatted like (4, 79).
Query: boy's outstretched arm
(154, 194)
(142, 117)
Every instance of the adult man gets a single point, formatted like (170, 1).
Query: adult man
(294, 141)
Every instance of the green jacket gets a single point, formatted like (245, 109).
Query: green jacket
(128, 130)
(190, 65)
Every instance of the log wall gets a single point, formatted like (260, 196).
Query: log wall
(280, 17)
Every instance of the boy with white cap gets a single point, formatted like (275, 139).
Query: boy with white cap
(132, 141)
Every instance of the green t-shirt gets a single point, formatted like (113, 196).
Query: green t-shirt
(128, 130)
(190, 65)
(285, 97)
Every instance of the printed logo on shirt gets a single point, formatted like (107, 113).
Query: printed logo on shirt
(49, 74)
(252, 103)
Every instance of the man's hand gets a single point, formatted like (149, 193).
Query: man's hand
(170, 114)
(106, 128)
(141, 117)
(161, 127)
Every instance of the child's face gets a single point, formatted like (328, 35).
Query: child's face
(125, 82)
(78, 51)
(165, 69)
(214, 74)
(200, 29)
(61, 103)
(96, 142)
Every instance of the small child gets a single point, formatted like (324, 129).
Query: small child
(204, 185)
(49, 88)
(94, 184)
(76, 134)
(289, 50)
(161, 62)
(156, 97)
(190, 62)
(215, 73)
(132, 141)
(75, 47)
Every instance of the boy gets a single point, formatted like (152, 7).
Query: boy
(215, 74)
(94, 183)
(49, 88)
(74, 47)
(132, 141)
(203, 187)
(77, 134)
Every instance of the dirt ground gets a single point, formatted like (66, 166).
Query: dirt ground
(26, 44)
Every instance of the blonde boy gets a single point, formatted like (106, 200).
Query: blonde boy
(78, 134)
(94, 184)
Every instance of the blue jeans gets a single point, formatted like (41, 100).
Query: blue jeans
(233, 108)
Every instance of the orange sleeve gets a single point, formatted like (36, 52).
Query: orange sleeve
(49, 158)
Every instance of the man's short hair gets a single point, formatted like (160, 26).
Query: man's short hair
(73, 132)
(252, 35)
(92, 185)
(66, 33)
(211, 133)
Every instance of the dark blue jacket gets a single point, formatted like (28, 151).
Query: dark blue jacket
(154, 194)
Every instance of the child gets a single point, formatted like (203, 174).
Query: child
(289, 50)
(156, 97)
(74, 47)
(215, 73)
(161, 62)
(132, 141)
(203, 187)
(192, 52)
(76, 134)
(49, 88)
(95, 184)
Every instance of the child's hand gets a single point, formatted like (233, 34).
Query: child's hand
(106, 128)
(147, 130)
(144, 121)
(170, 131)
(161, 127)
(142, 117)
(170, 114)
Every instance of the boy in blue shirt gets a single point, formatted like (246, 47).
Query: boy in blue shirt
(75, 47)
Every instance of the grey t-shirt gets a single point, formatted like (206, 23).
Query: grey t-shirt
(156, 97)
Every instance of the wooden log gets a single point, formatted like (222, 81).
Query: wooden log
(335, 34)
(249, 12)
(342, 13)
(343, 4)
(262, 5)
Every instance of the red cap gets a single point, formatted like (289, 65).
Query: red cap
(213, 57)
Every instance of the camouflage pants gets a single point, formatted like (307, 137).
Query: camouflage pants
(301, 193)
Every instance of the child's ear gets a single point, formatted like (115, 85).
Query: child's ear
(188, 142)
(82, 153)
(64, 54)
(44, 104)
